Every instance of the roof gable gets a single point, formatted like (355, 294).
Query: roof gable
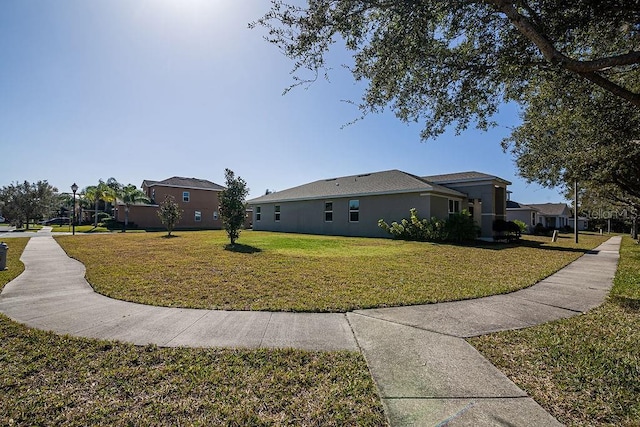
(460, 177)
(181, 182)
(376, 183)
(552, 209)
(516, 205)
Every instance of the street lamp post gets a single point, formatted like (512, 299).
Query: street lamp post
(575, 212)
(74, 188)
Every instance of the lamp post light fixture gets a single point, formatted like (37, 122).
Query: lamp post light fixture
(74, 188)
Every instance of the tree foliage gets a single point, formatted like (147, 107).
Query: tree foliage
(444, 62)
(232, 204)
(573, 68)
(23, 202)
(169, 213)
(568, 135)
(103, 192)
(130, 195)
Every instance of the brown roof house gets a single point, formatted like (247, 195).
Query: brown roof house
(352, 205)
(198, 199)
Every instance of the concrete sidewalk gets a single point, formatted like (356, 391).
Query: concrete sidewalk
(426, 372)
(52, 294)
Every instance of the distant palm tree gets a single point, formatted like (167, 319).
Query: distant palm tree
(131, 195)
(114, 189)
(88, 196)
(104, 193)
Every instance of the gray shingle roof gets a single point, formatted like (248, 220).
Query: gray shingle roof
(376, 183)
(515, 205)
(451, 178)
(551, 209)
(181, 182)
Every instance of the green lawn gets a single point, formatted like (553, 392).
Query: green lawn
(47, 379)
(292, 272)
(15, 266)
(79, 229)
(584, 370)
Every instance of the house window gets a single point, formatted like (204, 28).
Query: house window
(533, 218)
(276, 213)
(198, 216)
(328, 211)
(215, 215)
(354, 210)
(258, 213)
(153, 195)
(454, 207)
(185, 196)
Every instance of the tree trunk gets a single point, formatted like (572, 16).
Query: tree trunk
(95, 214)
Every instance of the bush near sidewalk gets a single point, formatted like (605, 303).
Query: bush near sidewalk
(584, 370)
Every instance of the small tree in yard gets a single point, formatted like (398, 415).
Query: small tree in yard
(232, 204)
(169, 213)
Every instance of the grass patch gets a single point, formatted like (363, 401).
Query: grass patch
(293, 272)
(79, 229)
(47, 379)
(15, 266)
(584, 370)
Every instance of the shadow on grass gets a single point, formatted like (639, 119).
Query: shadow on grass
(171, 236)
(500, 245)
(242, 249)
(626, 303)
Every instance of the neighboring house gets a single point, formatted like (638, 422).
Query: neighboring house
(198, 199)
(525, 213)
(486, 194)
(553, 215)
(352, 205)
(583, 223)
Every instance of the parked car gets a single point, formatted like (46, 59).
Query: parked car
(56, 221)
(1, 218)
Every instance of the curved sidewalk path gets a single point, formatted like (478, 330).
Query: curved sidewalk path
(426, 373)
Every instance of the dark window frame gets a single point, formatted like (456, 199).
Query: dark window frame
(354, 213)
(328, 211)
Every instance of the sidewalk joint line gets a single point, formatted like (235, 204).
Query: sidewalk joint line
(554, 306)
(455, 397)
(409, 326)
(353, 332)
(266, 328)
(185, 328)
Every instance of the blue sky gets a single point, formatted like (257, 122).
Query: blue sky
(150, 89)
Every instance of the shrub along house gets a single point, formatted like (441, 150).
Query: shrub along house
(352, 205)
(197, 198)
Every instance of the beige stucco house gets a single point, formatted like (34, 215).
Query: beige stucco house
(352, 205)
